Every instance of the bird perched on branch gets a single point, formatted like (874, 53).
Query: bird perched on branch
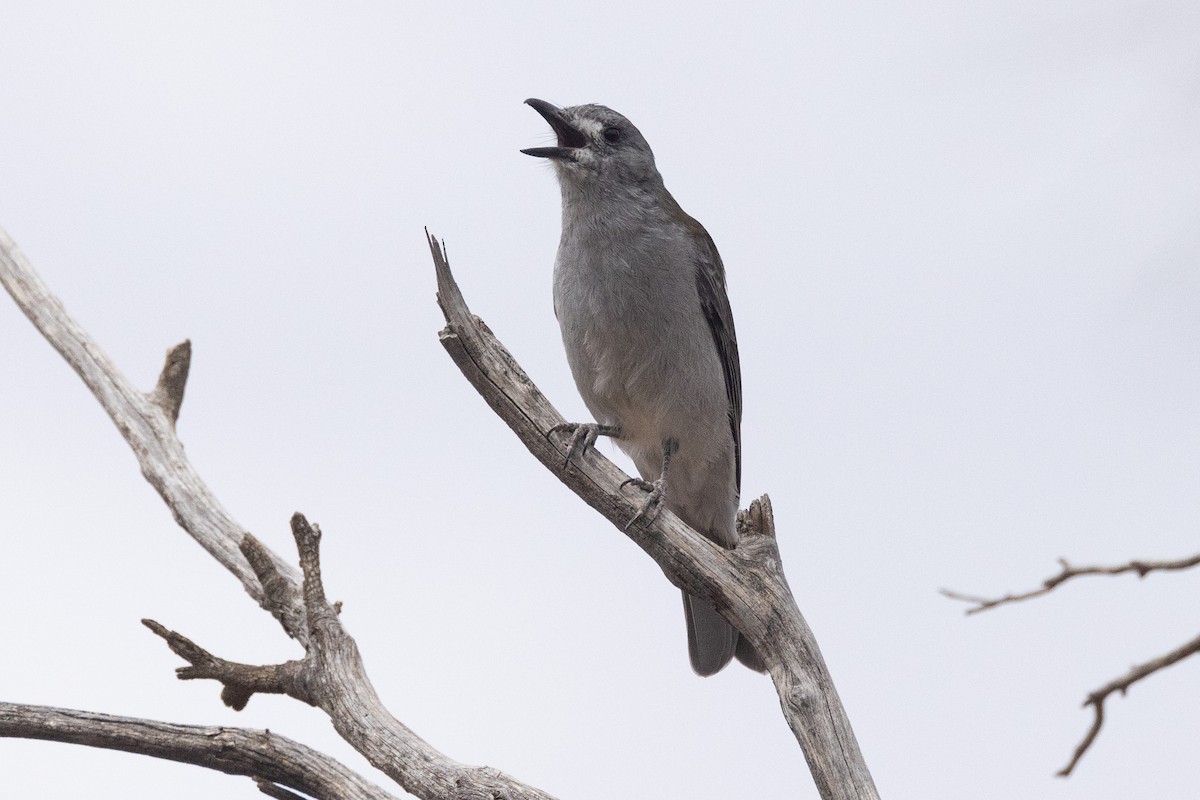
(639, 292)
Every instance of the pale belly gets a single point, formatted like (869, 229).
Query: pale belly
(654, 372)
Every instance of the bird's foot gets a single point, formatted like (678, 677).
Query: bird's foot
(653, 503)
(583, 436)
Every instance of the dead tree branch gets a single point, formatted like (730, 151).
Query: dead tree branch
(332, 675)
(1068, 572)
(747, 584)
(269, 758)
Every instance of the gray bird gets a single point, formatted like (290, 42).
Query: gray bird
(639, 292)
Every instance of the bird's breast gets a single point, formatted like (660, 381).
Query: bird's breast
(634, 336)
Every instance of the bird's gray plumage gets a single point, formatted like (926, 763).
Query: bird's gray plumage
(639, 292)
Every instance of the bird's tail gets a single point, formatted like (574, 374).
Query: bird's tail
(713, 642)
(748, 656)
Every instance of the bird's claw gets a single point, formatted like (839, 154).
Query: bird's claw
(653, 504)
(583, 436)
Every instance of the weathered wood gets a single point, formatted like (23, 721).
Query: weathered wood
(262, 755)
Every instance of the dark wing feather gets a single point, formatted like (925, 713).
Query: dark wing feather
(714, 303)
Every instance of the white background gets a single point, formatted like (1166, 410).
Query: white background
(963, 252)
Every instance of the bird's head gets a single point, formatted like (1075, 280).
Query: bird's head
(595, 144)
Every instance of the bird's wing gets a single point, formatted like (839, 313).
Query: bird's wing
(714, 303)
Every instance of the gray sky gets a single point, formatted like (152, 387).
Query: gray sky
(962, 250)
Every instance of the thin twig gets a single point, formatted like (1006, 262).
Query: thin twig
(1096, 699)
(1068, 572)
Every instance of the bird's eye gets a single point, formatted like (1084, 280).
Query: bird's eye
(611, 135)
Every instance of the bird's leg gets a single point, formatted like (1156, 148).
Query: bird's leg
(657, 489)
(583, 436)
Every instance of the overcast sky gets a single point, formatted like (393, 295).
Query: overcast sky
(963, 252)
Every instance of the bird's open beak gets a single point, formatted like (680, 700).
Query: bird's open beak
(569, 137)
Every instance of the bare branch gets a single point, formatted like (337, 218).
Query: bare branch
(147, 421)
(1067, 572)
(1096, 699)
(262, 755)
(331, 676)
(746, 584)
